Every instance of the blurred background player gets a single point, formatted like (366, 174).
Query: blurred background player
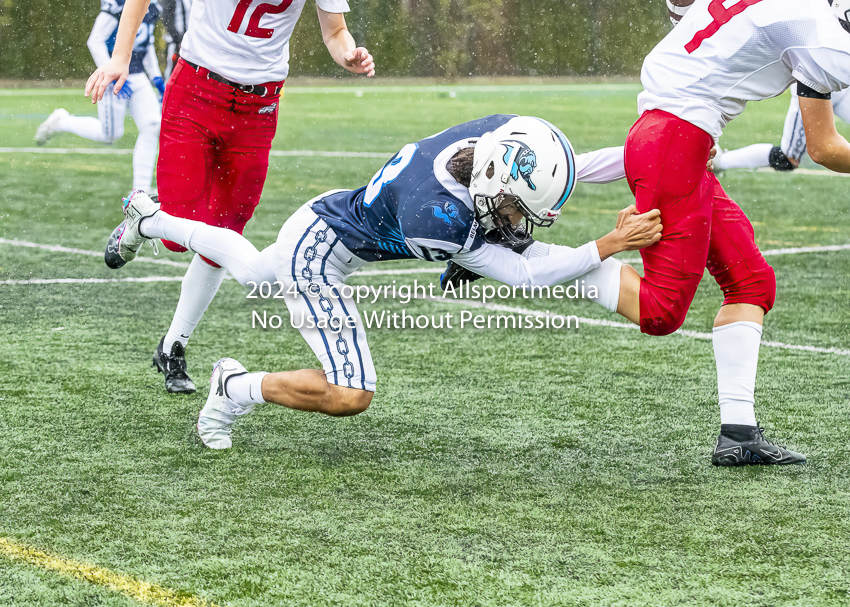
(787, 155)
(440, 198)
(175, 19)
(219, 117)
(696, 80)
(135, 93)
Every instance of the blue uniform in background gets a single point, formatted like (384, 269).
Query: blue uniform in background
(413, 207)
(144, 37)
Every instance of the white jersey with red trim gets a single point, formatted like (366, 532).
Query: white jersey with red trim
(246, 41)
(724, 53)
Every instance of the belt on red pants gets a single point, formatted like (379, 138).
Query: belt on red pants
(251, 89)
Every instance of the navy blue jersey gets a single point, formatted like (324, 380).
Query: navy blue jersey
(413, 207)
(144, 37)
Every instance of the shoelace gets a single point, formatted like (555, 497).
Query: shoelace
(176, 366)
(768, 441)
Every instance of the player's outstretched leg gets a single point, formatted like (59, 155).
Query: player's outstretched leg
(125, 240)
(216, 419)
(235, 392)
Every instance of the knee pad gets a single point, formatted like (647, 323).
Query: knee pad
(779, 161)
(750, 282)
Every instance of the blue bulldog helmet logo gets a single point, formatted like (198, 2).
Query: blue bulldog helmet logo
(448, 213)
(524, 163)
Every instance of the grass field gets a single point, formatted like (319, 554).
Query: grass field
(493, 468)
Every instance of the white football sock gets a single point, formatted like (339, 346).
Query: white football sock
(736, 352)
(750, 157)
(246, 389)
(199, 286)
(225, 247)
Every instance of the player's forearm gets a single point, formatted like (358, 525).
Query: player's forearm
(833, 154)
(560, 265)
(103, 27)
(609, 245)
(99, 51)
(339, 42)
(131, 18)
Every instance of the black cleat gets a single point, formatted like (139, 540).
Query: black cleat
(746, 445)
(173, 366)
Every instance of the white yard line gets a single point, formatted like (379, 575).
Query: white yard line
(468, 303)
(617, 325)
(785, 251)
(126, 152)
(61, 249)
(797, 250)
(815, 172)
(73, 281)
(400, 272)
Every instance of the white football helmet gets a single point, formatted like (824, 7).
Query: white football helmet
(526, 162)
(841, 9)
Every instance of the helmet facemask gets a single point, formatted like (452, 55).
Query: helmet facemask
(494, 214)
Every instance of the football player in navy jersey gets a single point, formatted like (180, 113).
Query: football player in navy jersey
(137, 94)
(442, 198)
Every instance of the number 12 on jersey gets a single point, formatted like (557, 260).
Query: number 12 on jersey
(254, 30)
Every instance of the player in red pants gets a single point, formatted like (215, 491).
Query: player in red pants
(695, 81)
(219, 117)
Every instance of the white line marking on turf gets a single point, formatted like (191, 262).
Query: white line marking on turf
(785, 251)
(126, 152)
(430, 270)
(797, 250)
(619, 325)
(399, 272)
(599, 322)
(814, 172)
(69, 281)
(61, 249)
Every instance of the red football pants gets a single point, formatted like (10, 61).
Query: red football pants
(703, 228)
(213, 149)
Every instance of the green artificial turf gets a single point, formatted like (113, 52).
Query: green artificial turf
(494, 467)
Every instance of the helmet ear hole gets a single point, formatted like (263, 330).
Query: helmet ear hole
(491, 170)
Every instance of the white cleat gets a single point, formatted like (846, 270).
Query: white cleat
(47, 129)
(126, 239)
(215, 422)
